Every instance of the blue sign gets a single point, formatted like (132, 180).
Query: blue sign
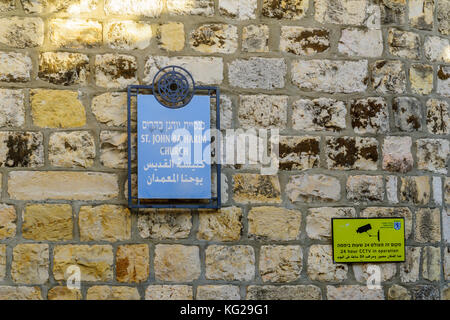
(174, 156)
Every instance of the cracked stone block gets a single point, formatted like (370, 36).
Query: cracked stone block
(114, 149)
(388, 76)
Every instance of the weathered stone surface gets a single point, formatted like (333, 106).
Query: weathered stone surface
(289, 9)
(115, 70)
(36, 185)
(213, 292)
(438, 118)
(176, 263)
(257, 73)
(238, 9)
(447, 264)
(132, 263)
(71, 149)
(393, 11)
(104, 223)
(75, 33)
(428, 225)
(127, 35)
(369, 115)
(443, 16)
(57, 109)
(299, 153)
(390, 212)
(425, 292)
(111, 108)
(171, 36)
(48, 222)
(387, 270)
(341, 11)
(263, 111)
(397, 292)
(12, 110)
(19, 32)
(145, 8)
(319, 115)
(255, 38)
(205, 70)
(273, 223)
(302, 292)
(388, 76)
(221, 225)
(421, 14)
(214, 38)
(354, 292)
(64, 68)
(415, 189)
(60, 6)
(280, 263)
(191, 7)
(168, 292)
(330, 75)
(15, 67)
(447, 190)
(310, 188)
(404, 44)
(95, 262)
(114, 149)
(421, 78)
(365, 188)
(437, 192)
(304, 41)
(30, 263)
(361, 42)
(321, 266)
(431, 263)
(63, 293)
(433, 154)
(7, 221)
(7, 5)
(255, 188)
(230, 263)
(445, 293)
(20, 293)
(2, 261)
(407, 114)
(164, 224)
(443, 81)
(226, 112)
(397, 156)
(436, 49)
(318, 221)
(21, 149)
(112, 293)
(391, 189)
(347, 153)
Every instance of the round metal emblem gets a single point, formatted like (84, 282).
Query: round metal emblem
(173, 87)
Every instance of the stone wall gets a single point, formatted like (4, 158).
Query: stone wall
(359, 90)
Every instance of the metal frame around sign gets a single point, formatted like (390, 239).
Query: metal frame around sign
(135, 202)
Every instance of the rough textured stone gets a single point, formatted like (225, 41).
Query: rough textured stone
(365, 188)
(176, 263)
(115, 70)
(369, 115)
(171, 36)
(257, 73)
(319, 115)
(388, 76)
(407, 114)
(404, 44)
(353, 292)
(110, 108)
(447, 263)
(114, 149)
(127, 35)
(445, 293)
(112, 293)
(425, 292)
(302, 292)
(7, 221)
(71, 149)
(263, 111)
(168, 292)
(226, 112)
(341, 11)
(288, 9)
(191, 7)
(134, 7)
(433, 155)
(443, 81)
(421, 14)
(2, 261)
(15, 67)
(299, 153)
(57, 109)
(132, 263)
(421, 78)
(59, 6)
(397, 292)
(21, 149)
(230, 263)
(280, 263)
(393, 11)
(391, 189)
(415, 189)
(7, 5)
(12, 110)
(30, 263)
(330, 75)
(64, 68)
(310, 188)
(63, 293)
(221, 225)
(443, 16)
(321, 266)
(238, 9)
(347, 153)
(431, 263)
(318, 221)
(104, 223)
(21, 32)
(214, 38)
(387, 270)
(390, 212)
(164, 224)
(255, 38)
(95, 262)
(361, 42)
(20, 293)
(436, 49)
(48, 222)
(35, 185)
(397, 156)
(213, 292)
(304, 41)
(75, 33)
(438, 118)
(273, 223)
(428, 225)
(255, 188)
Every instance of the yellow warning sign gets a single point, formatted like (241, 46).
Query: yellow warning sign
(368, 239)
